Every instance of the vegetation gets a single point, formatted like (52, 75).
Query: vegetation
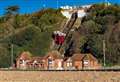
(102, 23)
(28, 32)
(32, 32)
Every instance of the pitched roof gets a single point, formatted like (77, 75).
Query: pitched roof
(90, 57)
(77, 57)
(25, 55)
(38, 59)
(80, 57)
(54, 54)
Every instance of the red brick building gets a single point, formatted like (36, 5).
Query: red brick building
(68, 63)
(36, 63)
(54, 61)
(85, 61)
(23, 60)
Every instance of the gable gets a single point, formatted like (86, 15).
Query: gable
(54, 55)
(25, 56)
(77, 57)
(89, 57)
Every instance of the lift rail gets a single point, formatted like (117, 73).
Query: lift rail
(67, 28)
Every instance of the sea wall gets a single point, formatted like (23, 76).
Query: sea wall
(59, 76)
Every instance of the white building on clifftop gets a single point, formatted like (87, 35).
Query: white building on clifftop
(68, 10)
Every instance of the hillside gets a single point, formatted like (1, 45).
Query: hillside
(29, 32)
(102, 23)
(32, 32)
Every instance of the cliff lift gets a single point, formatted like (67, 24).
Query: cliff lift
(60, 38)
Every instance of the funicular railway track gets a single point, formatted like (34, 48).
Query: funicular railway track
(70, 23)
(67, 28)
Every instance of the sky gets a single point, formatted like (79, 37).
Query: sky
(29, 6)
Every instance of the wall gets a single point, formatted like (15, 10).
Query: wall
(56, 76)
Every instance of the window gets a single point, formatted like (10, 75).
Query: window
(21, 61)
(50, 64)
(49, 61)
(69, 63)
(86, 63)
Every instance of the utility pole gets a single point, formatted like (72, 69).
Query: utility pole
(104, 50)
(12, 62)
(12, 49)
